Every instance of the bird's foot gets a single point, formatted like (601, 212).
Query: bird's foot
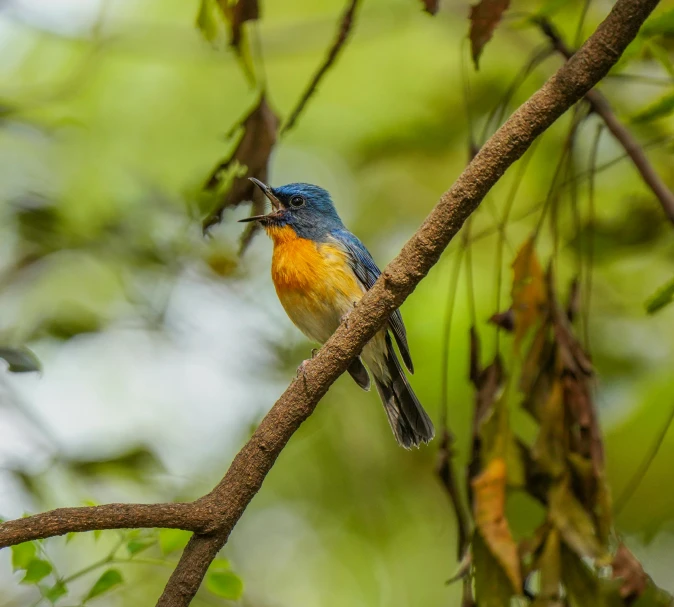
(302, 368)
(344, 319)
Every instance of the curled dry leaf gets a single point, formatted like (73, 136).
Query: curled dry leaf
(243, 10)
(504, 320)
(484, 17)
(489, 490)
(629, 570)
(529, 293)
(259, 128)
(550, 565)
(550, 448)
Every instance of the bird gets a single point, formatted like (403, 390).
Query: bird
(320, 271)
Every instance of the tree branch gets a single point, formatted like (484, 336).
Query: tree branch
(342, 35)
(187, 516)
(602, 108)
(248, 470)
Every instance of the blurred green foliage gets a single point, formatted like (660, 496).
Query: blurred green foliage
(112, 116)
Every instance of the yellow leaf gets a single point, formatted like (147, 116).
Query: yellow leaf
(489, 490)
(529, 291)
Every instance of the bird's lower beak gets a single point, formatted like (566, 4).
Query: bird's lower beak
(267, 191)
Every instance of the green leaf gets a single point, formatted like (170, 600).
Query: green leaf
(207, 19)
(492, 586)
(137, 546)
(105, 583)
(54, 593)
(662, 24)
(20, 360)
(171, 540)
(659, 109)
(22, 555)
(662, 297)
(37, 570)
(225, 584)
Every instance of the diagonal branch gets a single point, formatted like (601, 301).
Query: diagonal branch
(345, 26)
(602, 108)
(248, 470)
(187, 516)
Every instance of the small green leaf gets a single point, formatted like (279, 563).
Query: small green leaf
(107, 581)
(659, 109)
(97, 534)
(207, 20)
(171, 540)
(22, 555)
(137, 546)
(20, 360)
(662, 297)
(225, 584)
(70, 537)
(37, 570)
(54, 593)
(662, 24)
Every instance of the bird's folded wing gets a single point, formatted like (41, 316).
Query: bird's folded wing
(367, 272)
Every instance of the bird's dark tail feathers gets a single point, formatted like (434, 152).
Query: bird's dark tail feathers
(410, 423)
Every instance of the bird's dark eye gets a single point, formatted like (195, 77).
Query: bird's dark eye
(297, 201)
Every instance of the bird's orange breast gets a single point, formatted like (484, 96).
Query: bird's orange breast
(313, 281)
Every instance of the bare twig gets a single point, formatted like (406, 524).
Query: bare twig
(186, 516)
(345, 26)
(602, 108)
(246, 474)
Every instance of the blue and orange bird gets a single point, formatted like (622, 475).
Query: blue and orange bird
(320, 271)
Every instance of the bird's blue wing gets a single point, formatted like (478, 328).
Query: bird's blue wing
(367, 272)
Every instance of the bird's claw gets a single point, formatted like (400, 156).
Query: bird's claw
(302, 368)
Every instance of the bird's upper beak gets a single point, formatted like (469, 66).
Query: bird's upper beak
(275, 202)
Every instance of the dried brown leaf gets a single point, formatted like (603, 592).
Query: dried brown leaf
(489, 489)
(260, 128)
(237, 14)
(529, 293)
(484, 17)
(550, 448)
(505, 320)
(493, 587)
(431, 6)
(629, 570)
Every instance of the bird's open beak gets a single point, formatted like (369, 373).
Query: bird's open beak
(267, 191)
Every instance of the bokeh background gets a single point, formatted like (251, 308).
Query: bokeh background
(161, 349)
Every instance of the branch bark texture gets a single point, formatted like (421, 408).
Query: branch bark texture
(248, 470)
(213, 516)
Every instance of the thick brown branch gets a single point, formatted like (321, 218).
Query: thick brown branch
(602, 108)
(188, 516)
(345, 26)
(248, 470)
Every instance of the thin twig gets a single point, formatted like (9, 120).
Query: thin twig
(602, 108)
(187, 516)
(342, 35)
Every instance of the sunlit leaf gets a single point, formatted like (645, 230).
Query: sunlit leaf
(108, 580)
(661, 298)
(221, 581)
(20, 360)
(22, 555)
(484, 17)
(489, 490)
(37, 570)
(56, 592)
(171, 540)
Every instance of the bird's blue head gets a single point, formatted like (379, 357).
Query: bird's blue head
(306, 208)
